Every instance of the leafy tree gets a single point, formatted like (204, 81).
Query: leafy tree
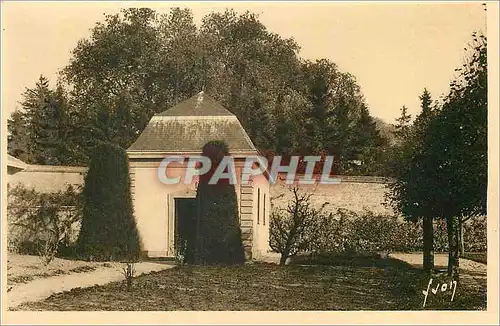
(218, 234)
(119, 61)
(441, 169)
(137, 63)
(457, 147)
(108, 228)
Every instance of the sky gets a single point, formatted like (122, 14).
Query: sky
(393, 49)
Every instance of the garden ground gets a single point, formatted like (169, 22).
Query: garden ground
(28, 279)
(357, 284)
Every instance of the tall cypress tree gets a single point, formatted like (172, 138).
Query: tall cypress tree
(218, 234)
(108, 229)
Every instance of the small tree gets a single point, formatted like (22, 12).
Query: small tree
(108, 226)
(292, 229)
(218, 234)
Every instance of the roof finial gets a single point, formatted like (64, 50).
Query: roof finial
(199, 100)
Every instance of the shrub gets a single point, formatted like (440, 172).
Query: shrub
(108, 229)
(218, 234)
(42, 223)
(475, 235)
(348, 232)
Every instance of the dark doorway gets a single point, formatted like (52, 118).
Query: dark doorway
(185, 223)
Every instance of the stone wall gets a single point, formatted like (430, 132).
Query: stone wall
(44, 179)
(356, 193)
(48, 178)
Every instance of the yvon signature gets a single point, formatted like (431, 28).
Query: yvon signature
(443, 287)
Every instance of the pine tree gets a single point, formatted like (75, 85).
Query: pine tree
(18, 141)
(40, 130)
(402, 126)
(425, 103)
(366, 145)
(420, 128)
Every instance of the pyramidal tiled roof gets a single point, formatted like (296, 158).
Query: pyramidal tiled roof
(189, 125)
(199, 105)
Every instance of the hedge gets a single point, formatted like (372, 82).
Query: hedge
(348, 232)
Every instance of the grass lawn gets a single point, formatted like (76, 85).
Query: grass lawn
(376, 285)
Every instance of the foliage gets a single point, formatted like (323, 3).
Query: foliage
(359, 233)
(42, 223)
(409, 192)
(293, 229)
(40, 132)
(137, 63)
(456, 144)
(349, 233)
(441, 166)
(480, 257)
(108, 229)
(402, 126)
(218, 235)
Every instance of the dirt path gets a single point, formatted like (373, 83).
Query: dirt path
(471, 272)
(441, 261)
(43, 288)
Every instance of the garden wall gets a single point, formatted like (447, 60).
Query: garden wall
(48, 178)
(44, 179)
(355, 193)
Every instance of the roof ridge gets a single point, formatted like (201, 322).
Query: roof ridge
(193, 117)
(200, 104)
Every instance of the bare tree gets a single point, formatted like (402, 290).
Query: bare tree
(292, 229)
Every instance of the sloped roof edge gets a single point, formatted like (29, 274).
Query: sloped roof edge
(15, 162)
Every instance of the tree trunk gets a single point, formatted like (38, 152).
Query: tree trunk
(428, 234)
(461, 236)
(453, 247)
(283, 259)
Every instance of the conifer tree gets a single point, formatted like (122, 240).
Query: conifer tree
(108, 230)
(218, 234)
